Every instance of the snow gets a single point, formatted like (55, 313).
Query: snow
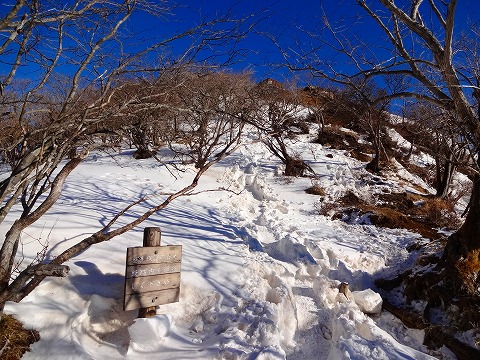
(261, 267)
(368, 301)
(418, 158)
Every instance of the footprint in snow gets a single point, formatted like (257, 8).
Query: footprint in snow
(326, 332)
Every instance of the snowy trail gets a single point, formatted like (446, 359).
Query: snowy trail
(307, 262)
(260, 271)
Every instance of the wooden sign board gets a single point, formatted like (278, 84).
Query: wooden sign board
(152, 276)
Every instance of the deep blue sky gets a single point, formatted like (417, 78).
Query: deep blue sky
(283, 18)
(260, 55)
(276, 18)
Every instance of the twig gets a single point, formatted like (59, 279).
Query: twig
(5, 347)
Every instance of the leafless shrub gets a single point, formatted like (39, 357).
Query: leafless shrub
(109, 93)
(277, 117)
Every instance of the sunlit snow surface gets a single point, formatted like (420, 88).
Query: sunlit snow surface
(260, 274)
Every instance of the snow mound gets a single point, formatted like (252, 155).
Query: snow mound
(256, 185)
(368, 301)
(354, 335)
(289, 249)
(147, 335)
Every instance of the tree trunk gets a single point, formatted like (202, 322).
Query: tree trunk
(320, 121)
(295, 167)
(380, 158)
(410, 152)
(8, 251)
(9, 247)
(461, 255)
(374, 164)
(444, 179)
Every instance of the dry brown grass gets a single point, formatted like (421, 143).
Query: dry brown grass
(426, 173)
(468, 269)
(336, 138)
(393, 219)
(427, 282)
(316, 190)
(440, 211)
(296, 167)
(360, 156)
(14, 339)
(417, 213)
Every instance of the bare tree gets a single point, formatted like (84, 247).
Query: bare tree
(148, 123)
(83, 63)
(278, 116)
(211, 106)
(318, 101)
(433, 131)
(367, 112)
(422, 54)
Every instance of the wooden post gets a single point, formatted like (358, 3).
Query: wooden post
(151, 237)
(343, 289)
(152, 275)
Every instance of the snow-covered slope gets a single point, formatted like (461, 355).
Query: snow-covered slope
(260, 275)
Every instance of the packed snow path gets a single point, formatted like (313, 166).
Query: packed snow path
(260, 273)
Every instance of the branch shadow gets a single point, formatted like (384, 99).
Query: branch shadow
(95, 282)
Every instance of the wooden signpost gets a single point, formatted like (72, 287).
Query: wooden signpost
(152, 275)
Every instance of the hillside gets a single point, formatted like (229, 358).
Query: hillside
(314, 168)
(263, 260)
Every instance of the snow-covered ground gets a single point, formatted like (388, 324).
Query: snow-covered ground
(261, 267)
